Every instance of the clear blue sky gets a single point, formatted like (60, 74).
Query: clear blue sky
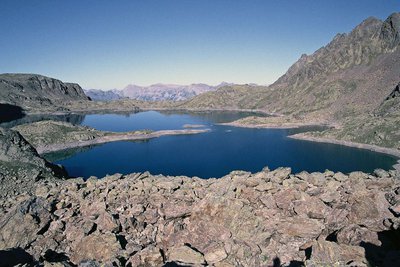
(109, 44)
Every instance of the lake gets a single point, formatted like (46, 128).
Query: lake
(211, 154)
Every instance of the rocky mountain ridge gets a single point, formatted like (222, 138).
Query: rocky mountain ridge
(33, 90)
(351, 75)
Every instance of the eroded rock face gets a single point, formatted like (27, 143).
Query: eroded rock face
(241, 219)
(33, 90)
(20, 165)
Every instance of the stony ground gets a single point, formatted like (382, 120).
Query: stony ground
(280, 122)
(241, 219)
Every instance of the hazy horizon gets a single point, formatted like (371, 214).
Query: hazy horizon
(101, 45)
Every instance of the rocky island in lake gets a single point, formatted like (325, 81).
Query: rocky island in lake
(136, 177)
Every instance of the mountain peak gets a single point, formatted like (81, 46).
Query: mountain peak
(394, 16)
(370, 20)
(390, 33)
(367, 40)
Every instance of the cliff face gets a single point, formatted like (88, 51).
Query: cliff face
(32, 90)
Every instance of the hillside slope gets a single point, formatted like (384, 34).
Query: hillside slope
(228, 97)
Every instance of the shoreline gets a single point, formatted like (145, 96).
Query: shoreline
(374, 148)
(305, 137)
(117, 137)
(289, 125)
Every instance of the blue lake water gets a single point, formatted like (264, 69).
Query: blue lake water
(211, 154)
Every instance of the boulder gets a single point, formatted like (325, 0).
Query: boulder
(24, 223)
(325, 253)
(149, 256)
(354, 235)
(300, 227)
(185, 255)
(311, 207)
(103, 248)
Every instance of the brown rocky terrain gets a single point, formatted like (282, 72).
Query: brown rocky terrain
(241, 219)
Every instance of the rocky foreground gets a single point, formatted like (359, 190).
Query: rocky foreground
(242, 219)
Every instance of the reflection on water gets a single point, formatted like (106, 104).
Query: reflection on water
(9, 113)
(71, 118)
(67, 153)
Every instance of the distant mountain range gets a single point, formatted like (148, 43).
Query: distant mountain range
(155, 92)
(101, 95)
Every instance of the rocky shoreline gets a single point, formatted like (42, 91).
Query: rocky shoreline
(241, 219)
(288, 125)
(276, 122)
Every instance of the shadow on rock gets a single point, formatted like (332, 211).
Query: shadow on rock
(388, 254)
(53, 256)
(174, 264)
(15, 256)
(277, 263)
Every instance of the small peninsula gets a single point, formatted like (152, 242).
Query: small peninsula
(50, 136)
